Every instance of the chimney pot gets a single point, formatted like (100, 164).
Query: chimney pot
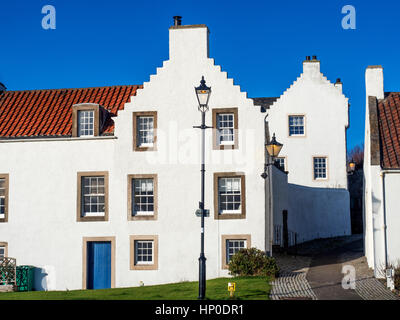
(177, 20)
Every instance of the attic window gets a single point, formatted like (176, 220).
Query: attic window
(86, 123)
(87, 119)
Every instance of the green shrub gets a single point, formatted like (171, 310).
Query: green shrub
(397, 277)
(252, 262)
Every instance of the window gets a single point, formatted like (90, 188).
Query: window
(3, 197)
(282, 162)
(229, 195)
(93, 196)
(229, 200)
(296, 126)
(86, 119)
(142, 197)
(225, 124)
(3, 249)
(232, 244)
(144, 252)
(225, 128)
(144, 131)
(320, 168)
(86, 123)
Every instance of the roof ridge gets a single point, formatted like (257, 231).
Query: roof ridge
(60, 89)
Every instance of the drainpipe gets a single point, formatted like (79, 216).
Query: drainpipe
(382, 174)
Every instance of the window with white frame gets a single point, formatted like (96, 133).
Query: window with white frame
(226, 128)
(281, 161)
(93, 196)
(229, 195)
(144, 252)
(320, 168)
(233, 246)
(296, 126)
(143, 196)
(86, 123)
(2, 197)
(145, 131)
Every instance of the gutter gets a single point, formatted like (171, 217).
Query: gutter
(13, 140)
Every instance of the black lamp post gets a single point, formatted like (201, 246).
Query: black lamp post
(273, 148)
(203, 95)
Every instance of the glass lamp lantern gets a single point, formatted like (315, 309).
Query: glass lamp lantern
(203, 95)
(273, 147)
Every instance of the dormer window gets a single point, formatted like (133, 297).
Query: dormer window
(86, 119)
(86, 123)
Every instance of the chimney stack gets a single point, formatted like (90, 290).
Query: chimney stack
(311, 68)
(177, 20)
(339, 84)
(374, 82)
(188, 43)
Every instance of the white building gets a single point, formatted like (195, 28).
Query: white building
(381, 173)
(92, 199)
(310, 118)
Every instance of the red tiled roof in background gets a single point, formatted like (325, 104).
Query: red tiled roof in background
(389, 129)
(41, 113)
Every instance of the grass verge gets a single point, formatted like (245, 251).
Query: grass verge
(247, 288)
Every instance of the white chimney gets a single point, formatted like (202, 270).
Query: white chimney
(374, 82)
(339, 85)
(188, 42)
(311, 67)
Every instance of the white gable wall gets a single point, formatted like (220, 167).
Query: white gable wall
(318, 208)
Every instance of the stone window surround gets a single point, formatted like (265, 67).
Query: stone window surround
(215, 112)
(5, 176)
(80, 175)
(84, 258)
(241, 175)
(5, 245)
(135, 115)
(226, 237)
(132, 249)
(130, 199)
(85, 107)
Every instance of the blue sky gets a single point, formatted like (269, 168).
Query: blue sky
(261, 44)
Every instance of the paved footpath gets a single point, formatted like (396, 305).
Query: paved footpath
(317, 273)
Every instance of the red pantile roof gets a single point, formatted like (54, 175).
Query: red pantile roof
(45, 113)
(389, 129)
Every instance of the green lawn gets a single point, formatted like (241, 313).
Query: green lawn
(247, 288)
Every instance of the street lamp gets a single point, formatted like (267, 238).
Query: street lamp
(203, 95)
(352, 166)
(273, 148)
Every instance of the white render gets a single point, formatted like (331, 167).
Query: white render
(42, 229)
(381, 197)
(317, 208)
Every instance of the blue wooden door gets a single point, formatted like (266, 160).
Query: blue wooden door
(99, 265)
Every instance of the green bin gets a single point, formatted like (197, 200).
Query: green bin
(25, 277)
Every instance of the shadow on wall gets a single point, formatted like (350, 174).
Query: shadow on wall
(44, 278)
(316, 213)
